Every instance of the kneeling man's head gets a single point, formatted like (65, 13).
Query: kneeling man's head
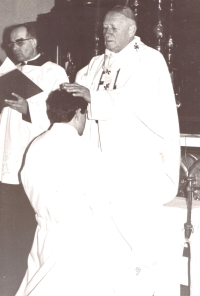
(63, 107)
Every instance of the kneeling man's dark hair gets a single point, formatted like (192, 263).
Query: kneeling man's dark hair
(61, 106)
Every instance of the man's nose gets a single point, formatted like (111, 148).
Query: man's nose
(107, 31)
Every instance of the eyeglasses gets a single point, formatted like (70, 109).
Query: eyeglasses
(18, 42)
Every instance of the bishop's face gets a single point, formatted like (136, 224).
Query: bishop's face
(116, 31)
(26, 50)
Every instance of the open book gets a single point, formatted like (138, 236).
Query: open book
(14, 81)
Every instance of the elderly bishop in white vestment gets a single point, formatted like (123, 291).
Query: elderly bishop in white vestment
(132, 118)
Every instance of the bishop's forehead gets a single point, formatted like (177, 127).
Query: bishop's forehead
(125, 11)
(113, 17)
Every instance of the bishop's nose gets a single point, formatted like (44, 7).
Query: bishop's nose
(107, 31)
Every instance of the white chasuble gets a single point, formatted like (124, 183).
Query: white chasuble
(134, 122)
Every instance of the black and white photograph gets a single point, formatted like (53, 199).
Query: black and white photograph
(100, 148)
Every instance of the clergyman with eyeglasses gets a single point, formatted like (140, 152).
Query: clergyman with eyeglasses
(21, 121)
(25, 119)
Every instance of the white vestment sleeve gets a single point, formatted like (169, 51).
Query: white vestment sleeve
(51, 77)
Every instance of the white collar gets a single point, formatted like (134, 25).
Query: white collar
(114, 61)
(135, 43)
(36, 57)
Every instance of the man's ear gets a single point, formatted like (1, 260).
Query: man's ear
(132, 30)
(34, 42)
(77, 114)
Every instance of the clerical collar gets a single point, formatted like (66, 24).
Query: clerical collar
(39, 60)
(36, 57)
(26, 62)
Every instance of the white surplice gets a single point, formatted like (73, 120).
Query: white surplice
(133, 120)
(15, 133)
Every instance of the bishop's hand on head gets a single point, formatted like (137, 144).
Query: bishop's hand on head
(77, 90)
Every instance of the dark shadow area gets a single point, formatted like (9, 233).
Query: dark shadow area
(17, 228)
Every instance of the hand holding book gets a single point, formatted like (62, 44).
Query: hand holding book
(19, 104)
(15, 82)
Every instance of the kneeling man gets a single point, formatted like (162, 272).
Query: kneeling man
(54, 179)
(80, 245)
